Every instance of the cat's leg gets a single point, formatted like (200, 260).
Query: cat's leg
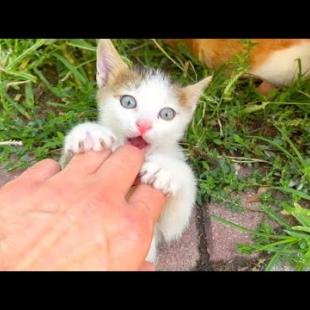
(175, 178)
(265, 88)
(85, 137)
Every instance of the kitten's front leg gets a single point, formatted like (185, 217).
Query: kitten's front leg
(86, 137)
(152, 253)
(176, 179)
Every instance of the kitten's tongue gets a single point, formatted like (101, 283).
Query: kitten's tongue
(138, 142)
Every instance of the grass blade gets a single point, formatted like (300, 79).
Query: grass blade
(78, 76)
(52, 89)
(275, 145)
(274, 260)
(274, 215)
(14, 104)
(292, 191)
(244, 229)
(27, 52)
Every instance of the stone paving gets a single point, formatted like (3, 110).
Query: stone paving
(189, 253)
(207, 244)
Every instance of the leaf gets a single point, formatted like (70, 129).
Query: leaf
(275, 144)
(78, 76)
(274, 215)
(22, 75)
(288, 140)
(17, 106)
(27, 52)
(301, 228)
(297, 235)
(292, 191)
(244, 229)
(302, 215)
(274, 260)
(29, 95)
(250, 108)
(82, 44)
(52, 89)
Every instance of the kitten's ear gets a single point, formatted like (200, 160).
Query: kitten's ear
(109, 62)
(193, 92)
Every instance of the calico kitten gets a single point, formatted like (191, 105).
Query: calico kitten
(144, 108)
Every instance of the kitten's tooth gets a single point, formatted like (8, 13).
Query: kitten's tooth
(70, 153)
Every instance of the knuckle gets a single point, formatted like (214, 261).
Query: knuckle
(135, 228)
(50, 164)
(101, 200)
(144, 218)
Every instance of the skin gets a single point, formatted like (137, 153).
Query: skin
(79, 218)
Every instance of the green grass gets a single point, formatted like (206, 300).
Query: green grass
(48, 86)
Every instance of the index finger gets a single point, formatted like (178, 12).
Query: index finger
(39, 172)
(122, 167)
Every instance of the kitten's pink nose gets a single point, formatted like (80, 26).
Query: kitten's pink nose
(143, 126)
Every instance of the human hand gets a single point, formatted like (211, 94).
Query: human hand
(79, 218)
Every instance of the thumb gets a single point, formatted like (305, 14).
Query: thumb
(147, 266)
(146, 198)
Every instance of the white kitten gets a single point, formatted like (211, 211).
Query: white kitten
(144, 108)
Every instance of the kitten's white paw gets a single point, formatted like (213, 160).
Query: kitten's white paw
(161, 178)
(88, 136)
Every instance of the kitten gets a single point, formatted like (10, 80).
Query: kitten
(144, 108)
(272, 60)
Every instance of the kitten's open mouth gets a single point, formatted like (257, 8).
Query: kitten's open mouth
(138, 142)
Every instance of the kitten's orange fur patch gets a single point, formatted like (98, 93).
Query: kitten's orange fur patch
(215, 52)
(183, 97)
(120, 79)
(120, 75)
(131, 78)
(124, 78)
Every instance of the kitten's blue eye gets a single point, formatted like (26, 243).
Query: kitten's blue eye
(128, 102)
(167, 114)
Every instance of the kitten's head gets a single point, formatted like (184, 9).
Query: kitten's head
(142, 106)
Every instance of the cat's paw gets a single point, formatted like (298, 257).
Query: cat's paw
(162, 178)
(86, 137)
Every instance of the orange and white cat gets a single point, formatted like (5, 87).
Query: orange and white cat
(144, 108)
(272, 60)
